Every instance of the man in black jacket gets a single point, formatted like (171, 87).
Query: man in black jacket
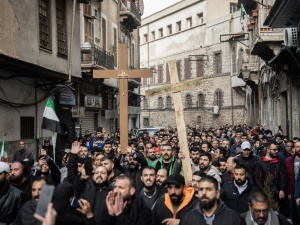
(11, 199)
(235, 194)
(124, 207)
(210, 210)
(260, 213)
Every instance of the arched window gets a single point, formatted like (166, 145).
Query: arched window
(146, 105)
(218, 97)
(188, 101)
(160, 103)
(201, 100)
(169, 102)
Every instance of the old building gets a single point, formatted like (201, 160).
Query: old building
(207, 40)
(105, 25)
(35, 64)
(275, 41)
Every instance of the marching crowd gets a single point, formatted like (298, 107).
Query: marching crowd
(241, 175)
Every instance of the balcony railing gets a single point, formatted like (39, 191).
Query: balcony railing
(129, 7)
(96, 56)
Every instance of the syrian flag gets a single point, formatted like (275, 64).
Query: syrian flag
(50, 119)
(3, 155)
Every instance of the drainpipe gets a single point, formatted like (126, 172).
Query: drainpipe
(71, 42)
(36, 121)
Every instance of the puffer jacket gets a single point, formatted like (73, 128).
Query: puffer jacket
(11, 201)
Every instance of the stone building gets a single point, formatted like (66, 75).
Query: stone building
(200, 36)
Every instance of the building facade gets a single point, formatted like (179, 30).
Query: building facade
(200, 36)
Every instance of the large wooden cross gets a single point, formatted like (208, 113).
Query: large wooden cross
(123, 74)
(175, 88)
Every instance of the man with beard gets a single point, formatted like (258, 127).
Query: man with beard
(22, 153)
(11, 199)
(207, 168)
(98, 140)
(231, 162)
(25, 215)
(161, 177)
(151, 156)
(111, 171)
(210, 209)
(175, 204)
(124, 207)
(150, 192)
(223, 167)
(94, 189)
(292, 165)
(84, 152)
(194, 157)
(166, 160)
(197, 175)
(21, 179)
(235, 194)
(270, 165)
(260, 213)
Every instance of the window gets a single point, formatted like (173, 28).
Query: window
(161, 32)
(187, 69)
(188, 101)
(199, 119)
(178, 64)
(167, 73)
(44, 20)
(233, 59)
(61, 27)
(132, 56)
(153, 35)
(104, 34)
(115, 49)
(160, 74)
(201, 100)
(233, 7)
(145, 38)
(146, 121)
(218, 98)
(169, 102)
(200, 18)
(178, 26)
(160, 103)
(217, 63)
(199, 66)
(27, 127)
(169, 29)
(146, 104)
(88, 30)
(189, 22)
(145, 81)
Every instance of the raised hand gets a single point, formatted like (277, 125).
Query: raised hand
(76, 147)
(119, 203)
(110, 199)
(85, 208)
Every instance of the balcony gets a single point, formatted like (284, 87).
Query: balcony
(94, 57)
(130, 15)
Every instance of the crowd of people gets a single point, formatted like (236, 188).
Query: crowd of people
(241, 175)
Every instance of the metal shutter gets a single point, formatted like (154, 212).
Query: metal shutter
(88, 122)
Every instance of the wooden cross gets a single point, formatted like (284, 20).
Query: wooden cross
(175, 88)
(123, 74)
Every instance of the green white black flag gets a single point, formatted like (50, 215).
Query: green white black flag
(50, 119)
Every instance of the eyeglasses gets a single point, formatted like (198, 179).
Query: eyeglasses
(259, 211)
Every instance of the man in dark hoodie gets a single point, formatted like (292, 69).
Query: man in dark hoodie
(210, 209)
(94, 189)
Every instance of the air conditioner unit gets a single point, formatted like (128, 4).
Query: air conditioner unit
(215, 109)
(290, 37)
(78, 112)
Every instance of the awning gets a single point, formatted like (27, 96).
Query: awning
(284, 56)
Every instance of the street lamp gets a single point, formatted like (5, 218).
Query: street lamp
(244, 74)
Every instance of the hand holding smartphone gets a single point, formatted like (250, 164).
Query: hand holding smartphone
(44, 200)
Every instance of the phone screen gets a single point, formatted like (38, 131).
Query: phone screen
(44, 200)
(74, 203)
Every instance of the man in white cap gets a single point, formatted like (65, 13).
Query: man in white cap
(11, 199)
(249, 159)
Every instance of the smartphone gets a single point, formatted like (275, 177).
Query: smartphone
(44, 200)
(74, 203)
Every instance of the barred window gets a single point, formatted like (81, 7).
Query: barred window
(187, 69)
(169, 102)
(218, 98)
(160, 103)
(44, 20)
(27, 127)
(167, 73)
(201, 100)
(61, 27)
(146, 121)
(178, 64)
(199, 66)
(217, 63)
(146, 104)
(188, 101)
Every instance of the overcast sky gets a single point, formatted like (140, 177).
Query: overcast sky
(153, 6)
